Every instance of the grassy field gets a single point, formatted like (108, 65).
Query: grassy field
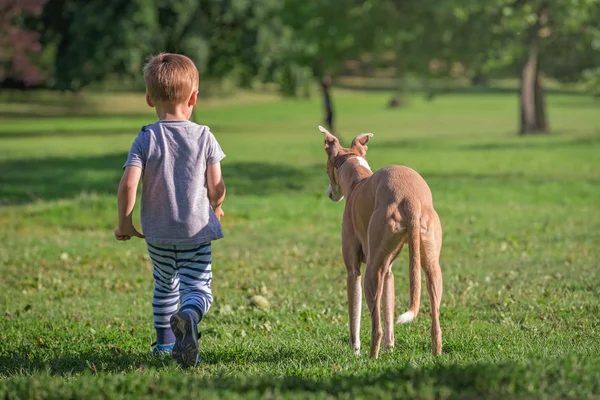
(520, 312)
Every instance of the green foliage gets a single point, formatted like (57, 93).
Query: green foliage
(592, 80)
(520, 311)
(246, 42)
(500, 32)
(94, 40)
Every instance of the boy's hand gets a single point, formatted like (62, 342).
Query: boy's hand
(125, 233)
(219, 213)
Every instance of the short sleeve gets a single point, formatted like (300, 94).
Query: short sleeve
(138, 152)
(214, 153)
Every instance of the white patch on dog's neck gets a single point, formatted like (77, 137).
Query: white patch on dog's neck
(363, 163)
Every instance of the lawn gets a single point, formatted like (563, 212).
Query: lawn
(521, 218)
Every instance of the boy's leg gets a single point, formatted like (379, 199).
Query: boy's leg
(166, 291)
(195, 273)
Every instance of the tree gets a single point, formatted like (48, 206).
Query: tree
(17, 44)
(527, 38)
(94, 40)
(572, 52)
(550, 37)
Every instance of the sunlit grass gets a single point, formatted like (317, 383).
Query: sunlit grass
(520, 312)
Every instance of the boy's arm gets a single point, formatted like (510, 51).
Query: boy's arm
(126, 198)
(216, 188)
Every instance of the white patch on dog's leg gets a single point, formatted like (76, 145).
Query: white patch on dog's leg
(406, 317)
(363, 163)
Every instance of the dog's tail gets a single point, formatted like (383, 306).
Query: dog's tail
(414, 265)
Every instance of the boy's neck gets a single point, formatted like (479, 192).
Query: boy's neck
(174, 112)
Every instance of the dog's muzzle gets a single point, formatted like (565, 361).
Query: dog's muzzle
(334, 196)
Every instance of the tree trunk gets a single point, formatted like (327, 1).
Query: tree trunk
(478, 78)
(532, 104)
(540, 106)
(528, 79)
(397, 99)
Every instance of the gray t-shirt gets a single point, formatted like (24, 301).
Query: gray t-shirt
(175, 207)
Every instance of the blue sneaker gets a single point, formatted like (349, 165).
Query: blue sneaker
(185, 350)
(162, 349)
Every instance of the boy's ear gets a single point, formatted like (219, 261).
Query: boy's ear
(359, 143)
(149, 101)
(332, 144)
(193, 99)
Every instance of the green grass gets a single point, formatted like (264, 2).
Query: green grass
(520, 312)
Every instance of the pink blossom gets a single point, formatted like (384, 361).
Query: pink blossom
(17, 44)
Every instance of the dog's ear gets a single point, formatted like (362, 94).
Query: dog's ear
(359, 143)
(332, 144)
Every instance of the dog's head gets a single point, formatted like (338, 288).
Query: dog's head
(335, 152)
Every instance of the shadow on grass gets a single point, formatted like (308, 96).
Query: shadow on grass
(258, 178)
(25, 181)
(477, 380)
(88, 113)
(97, 130)
(94, 127)
(567, 377)
(57, 105)
(396, 381)
(582, 103)
(530, 144)
(117, 360)
(515, 143)
(438, 89)
(510, 179)
(114, 361)
(412, 144)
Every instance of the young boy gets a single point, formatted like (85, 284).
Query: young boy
(181, 202)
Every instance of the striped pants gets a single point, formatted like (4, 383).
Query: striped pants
(182, 273)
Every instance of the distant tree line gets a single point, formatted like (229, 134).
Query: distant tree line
(71, 44)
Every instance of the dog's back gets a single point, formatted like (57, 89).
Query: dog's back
(391, 194)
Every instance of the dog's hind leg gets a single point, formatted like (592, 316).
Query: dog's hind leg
(388, 298)
(434, 287)
(352, 258)
(431, 247)
(388, 310)
(383, 248)
(373, 290)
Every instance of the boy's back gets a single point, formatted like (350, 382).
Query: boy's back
(175, 208)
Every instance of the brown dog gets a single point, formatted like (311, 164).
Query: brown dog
(383, 211)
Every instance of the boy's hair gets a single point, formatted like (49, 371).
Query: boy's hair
(170, 78)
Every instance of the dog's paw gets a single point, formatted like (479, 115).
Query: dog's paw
(406, 317)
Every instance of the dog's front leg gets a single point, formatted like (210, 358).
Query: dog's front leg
(352, 258)
(354, 308)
